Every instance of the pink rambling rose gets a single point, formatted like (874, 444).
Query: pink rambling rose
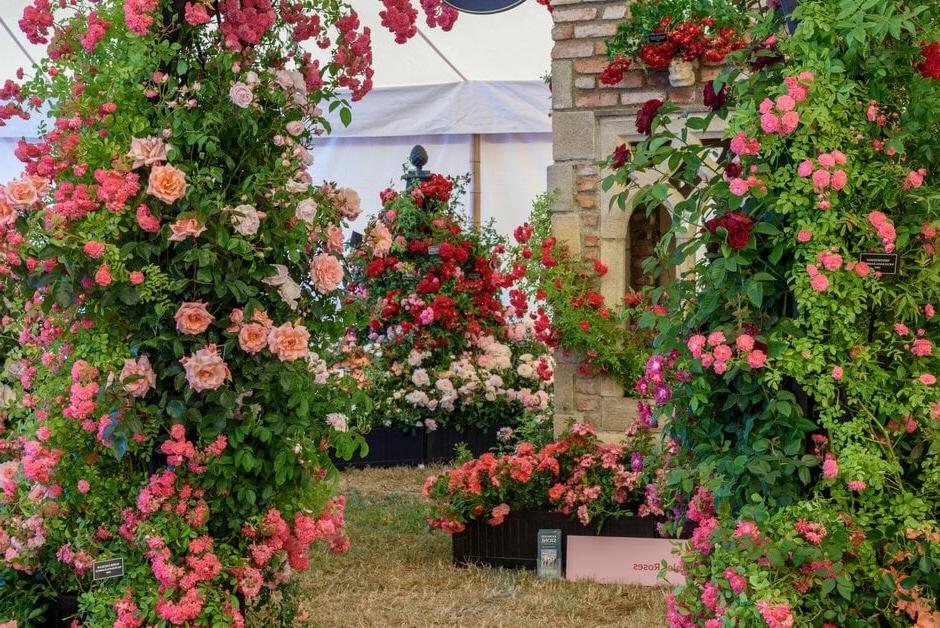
(922, 347)
(253, 337)
(805, 168)
(695, 344)
(830, 467)
(722, 353)
(136, 278)
(820, 283)
(83, 486)
(789, 122)
(141, 370)
(193, 318)
(756, 359)
(93, 249)
(147, 221)
(927, 379)
(326, 272)
(716, 338)
(289, 342)
(837, 372)
(103, 275)
(785, 103)
(769, 123)
(821, 178)
(166, 183)
(804, 236)
(205, 369)
(826, 160)
(744, 342)
(839, 179)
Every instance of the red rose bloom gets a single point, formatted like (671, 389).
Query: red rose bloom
(733, 169)
(613, 73)
(644, 117)
(438, 187)
(619, 158)
(738, 226)
(930, 66)
(714, 100)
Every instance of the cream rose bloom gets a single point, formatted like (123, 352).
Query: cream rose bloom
(147, 151)
(193, 318)
(289, 342)
(253, 337)
(145, 377)
(287, 288)
(205, 369)
(246, 219)
(21, 193)
(241, 95)
(326, 272)
(167, 183)
(186, 228)
(306, 210)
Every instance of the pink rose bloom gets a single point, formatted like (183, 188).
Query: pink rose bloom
(785, 103)
(253, 337)
(929, 311)
(877, 219)
(830, 467)
(141, 370)
(326, 272)
(289, 342)
(103, 275)
(334, 238)
(839, 156)
(83, 486)
(769, 123)
(839, 179)
(147, 221)
(193, 318)
(738, 186)
(806, 76)
(857, 485)
(915, 179)
(862, 269)
(804, 236)
(789, 122)
(380, 238)
(295, 127)
(93, 249)
(756, 359)
(707, 359)
(716, 338)
(837, 372)
(137, 278)
(348, 202)
(798, 93)
(922, 347)
(720, 367)
(695, 344)
(722, 353)
(147, 151)
(7, 213)
(167, 184)
(744, 342)
(21, 193)
(820, 283)
(205, 369)
(197, 14)
(831, 261)
(805, 168)
(821, 178)
(826, 160)
(901, 329)
(766, 106)
(241, 95)
(186, 228)
(927, 379)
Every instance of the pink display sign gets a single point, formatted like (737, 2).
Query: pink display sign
(622, 560)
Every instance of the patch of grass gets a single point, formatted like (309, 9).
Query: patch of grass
(398, 573)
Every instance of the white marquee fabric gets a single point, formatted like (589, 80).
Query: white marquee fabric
(438, 90)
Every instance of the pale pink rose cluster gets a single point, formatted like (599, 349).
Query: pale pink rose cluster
(138, 376)
(205, 369)
(885, 229)
(246, 219)
(346, 200)
(780, 116)
(186, 228)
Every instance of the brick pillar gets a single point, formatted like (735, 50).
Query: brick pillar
(588, 121)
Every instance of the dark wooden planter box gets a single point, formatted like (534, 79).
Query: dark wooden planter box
(391, 447)
(514, 543)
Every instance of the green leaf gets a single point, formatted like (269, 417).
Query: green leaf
(345, 116)
(175, 409)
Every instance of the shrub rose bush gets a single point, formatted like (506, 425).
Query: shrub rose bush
(808, 402)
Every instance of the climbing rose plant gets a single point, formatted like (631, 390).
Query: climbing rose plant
(809, 398)
(170, 274)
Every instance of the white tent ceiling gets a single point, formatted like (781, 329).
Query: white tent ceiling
(510, 46)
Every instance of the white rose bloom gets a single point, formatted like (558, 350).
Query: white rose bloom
(525, 371)
(420, 378)
(241, 95)
(246, 219)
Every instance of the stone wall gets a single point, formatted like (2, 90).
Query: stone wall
(589, 121)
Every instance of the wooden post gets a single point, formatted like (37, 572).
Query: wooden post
(475, 180)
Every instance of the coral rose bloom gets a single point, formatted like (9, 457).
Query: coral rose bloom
(147, 151)
(21, 193)
(167, 184)
(193, 318)
(289, 342)
(141, 369)
(253, 337)
(205, 369)
(7, 213)
(348, 201)
(186, 228)
(326, 273)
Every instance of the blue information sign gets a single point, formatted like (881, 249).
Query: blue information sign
(484, 6)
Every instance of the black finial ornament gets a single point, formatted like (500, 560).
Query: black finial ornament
(418, 159)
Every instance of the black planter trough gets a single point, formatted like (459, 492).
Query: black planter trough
(61, 611)
(514, 543)
(391, 447)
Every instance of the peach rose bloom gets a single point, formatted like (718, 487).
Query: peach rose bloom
(40, 183)
(326, 273)
(21, 193)
(381, 240)
(253, 337)
(186, 228)
(7, 213)
(167, 183)
(146, 378)
(334, 239)
(147, 151)
(205, 369)
(193, 318)
(348, 201)
(289, 342)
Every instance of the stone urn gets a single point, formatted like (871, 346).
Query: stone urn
(681, 73)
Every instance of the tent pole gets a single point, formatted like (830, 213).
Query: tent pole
(476, 188)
